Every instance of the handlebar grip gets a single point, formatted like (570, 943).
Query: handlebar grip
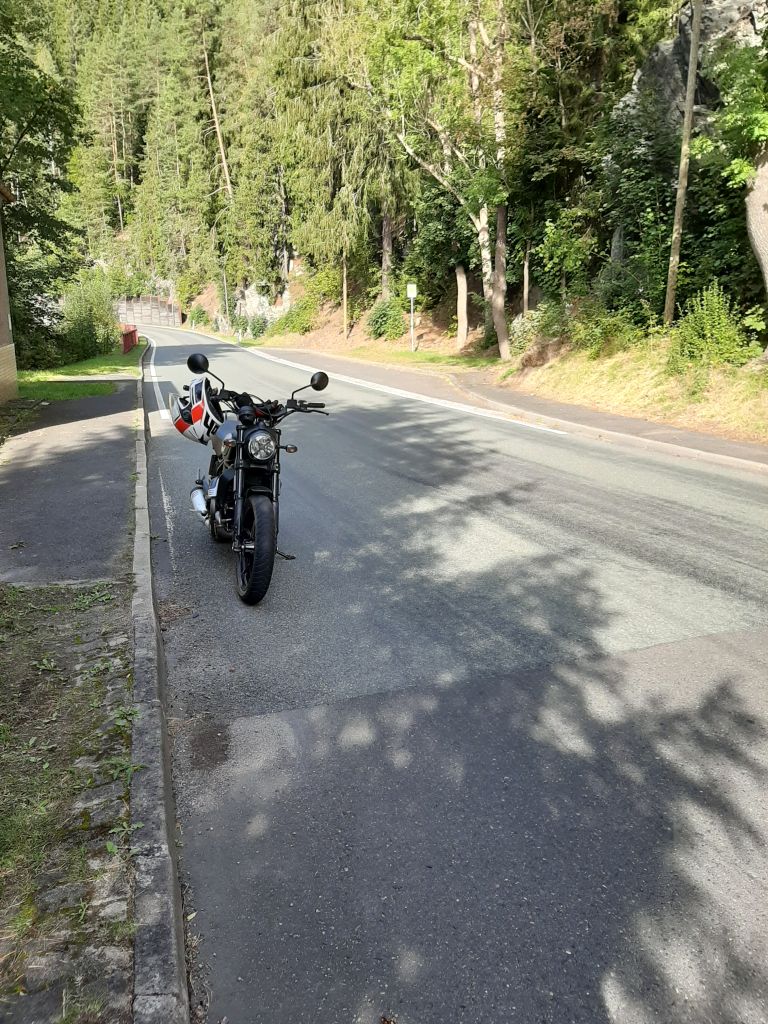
(315, 405)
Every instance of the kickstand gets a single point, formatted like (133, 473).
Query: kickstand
(288, 558)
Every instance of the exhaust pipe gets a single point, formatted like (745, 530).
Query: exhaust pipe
(199, 504)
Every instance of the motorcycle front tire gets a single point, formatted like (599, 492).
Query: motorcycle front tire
(253, 568)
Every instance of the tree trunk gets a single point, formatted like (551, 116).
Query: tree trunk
(344, 303)
(757, 220)
(500, 283)
(486, 261)
(461, 307)
(386, 255)
(526, 277)
(682, 177)
(219, 136)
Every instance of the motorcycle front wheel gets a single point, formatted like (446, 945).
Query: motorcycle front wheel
(256, 560)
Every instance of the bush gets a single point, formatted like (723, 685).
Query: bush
(386, 320)
(89, 324)
(300, 318)
(239, 323)
(257, 326)
(587, 326)
(711, 332)
(198, 315)
(594, 329)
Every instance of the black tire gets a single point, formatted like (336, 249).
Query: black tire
(253, 569)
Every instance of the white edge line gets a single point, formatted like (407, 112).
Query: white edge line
(152, 375)
(443, 403)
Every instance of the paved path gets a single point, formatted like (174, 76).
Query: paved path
(68, 492)
(495, 747)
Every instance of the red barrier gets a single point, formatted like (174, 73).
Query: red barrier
(130, 337)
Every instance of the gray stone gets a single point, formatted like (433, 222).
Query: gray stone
(36, 1008)
(42, 970)
(63, 896)
(159, 1010)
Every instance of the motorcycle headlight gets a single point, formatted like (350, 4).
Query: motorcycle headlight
(261, 446)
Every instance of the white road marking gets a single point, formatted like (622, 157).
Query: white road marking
(152, 376)
(443, 403)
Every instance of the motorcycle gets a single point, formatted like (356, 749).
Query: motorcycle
(240, 497)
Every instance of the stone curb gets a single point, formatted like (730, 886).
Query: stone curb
(160, 994)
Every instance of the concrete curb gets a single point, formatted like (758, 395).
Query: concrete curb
(615, 436)
(160, 994)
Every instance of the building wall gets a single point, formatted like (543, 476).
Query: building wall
(8, 386)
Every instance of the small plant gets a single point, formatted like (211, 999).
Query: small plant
(711, 333)
(121, 769)
(300, 318)
(386, 320)
(198, 316)
(239, 323)
(257, 326)
(98, 595)
(123, 720)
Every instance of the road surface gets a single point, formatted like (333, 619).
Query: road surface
(494, 747)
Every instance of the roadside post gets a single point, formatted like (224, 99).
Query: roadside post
(411, 292)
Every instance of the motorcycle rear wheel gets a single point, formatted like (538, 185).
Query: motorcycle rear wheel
(253, 568)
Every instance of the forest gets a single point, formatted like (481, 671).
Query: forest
(517, 159)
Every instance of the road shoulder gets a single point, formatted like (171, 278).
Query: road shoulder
(467, 387)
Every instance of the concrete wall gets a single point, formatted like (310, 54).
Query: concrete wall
(8, 387)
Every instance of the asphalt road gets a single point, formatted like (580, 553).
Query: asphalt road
(494, 748)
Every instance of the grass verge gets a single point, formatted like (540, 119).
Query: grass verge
(59, 390)
(113, 362)
(64, 661)
(636, 382)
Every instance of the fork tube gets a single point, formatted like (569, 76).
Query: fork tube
(239, 483)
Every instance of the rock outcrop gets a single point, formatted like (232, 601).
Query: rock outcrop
(665, 70)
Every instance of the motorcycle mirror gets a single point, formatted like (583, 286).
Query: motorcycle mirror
(198, 363)
(319, 381)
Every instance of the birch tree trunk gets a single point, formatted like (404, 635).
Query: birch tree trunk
(526, 277)
(757, 220)
(461, 307)
(682, 176)
(498, 305)
(344, 302)
(217, 125)
(386, 255)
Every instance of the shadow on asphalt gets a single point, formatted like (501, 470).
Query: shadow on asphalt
(563, 837)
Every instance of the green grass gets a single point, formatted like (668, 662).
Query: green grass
(56, 391)
(114, 362)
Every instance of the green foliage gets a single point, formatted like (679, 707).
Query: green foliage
(257, 326)
(386, 320)
(301, 318)
(711, 332)
(239, 323)
(89, 324)
(198, 317)
(599, 331)
(566, 250)
(585, 325)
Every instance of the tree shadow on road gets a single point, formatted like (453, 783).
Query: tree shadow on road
(526, 827)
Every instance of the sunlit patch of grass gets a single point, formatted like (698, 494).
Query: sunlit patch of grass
(60, 391)
(112, 362)
(637, 382)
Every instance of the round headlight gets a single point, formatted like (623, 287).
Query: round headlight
(261, 446)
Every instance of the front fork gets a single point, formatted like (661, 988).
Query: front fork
(239, 486)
